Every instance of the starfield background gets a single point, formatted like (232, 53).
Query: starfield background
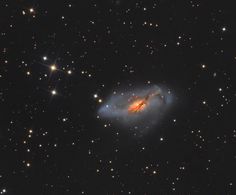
(60, 61)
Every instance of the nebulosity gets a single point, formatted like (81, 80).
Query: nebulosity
(141, 108)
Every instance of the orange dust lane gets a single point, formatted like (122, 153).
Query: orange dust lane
(137, 106)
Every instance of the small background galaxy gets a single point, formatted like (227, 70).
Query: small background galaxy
(60, 61)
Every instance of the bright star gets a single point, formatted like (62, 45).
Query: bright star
(54, 92)
(53, 67)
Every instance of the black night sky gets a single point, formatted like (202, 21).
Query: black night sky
(60, 61)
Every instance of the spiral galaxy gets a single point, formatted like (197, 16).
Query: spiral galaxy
(141, 108)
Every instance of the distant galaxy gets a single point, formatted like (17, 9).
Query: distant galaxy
(140, 108)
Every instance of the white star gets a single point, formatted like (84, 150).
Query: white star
(54, 92)
(53, 67)
(31, 10)
(3, 191)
